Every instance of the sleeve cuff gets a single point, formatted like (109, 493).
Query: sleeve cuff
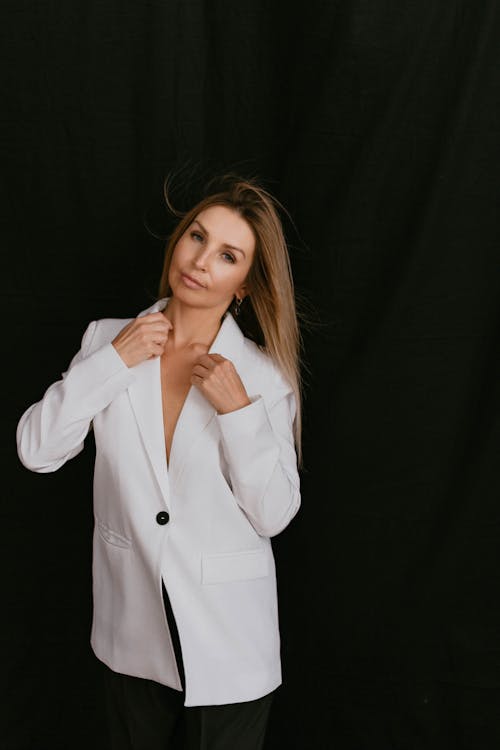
(246, 421)
(108, 361)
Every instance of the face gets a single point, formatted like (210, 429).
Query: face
(212, 258)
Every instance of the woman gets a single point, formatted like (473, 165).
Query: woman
(195, 427)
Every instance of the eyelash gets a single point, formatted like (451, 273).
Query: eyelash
(198, 236)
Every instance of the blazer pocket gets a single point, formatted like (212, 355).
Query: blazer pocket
(112, 537)
(223, 567)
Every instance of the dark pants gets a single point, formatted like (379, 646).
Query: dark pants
(144, 715)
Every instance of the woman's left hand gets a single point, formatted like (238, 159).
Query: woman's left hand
(218, 380)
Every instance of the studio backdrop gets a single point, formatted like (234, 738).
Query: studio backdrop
(376, 124)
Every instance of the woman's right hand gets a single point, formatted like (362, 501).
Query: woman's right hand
(143, 338)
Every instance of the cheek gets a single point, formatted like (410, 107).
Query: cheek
(176, 255)
(174, 263)
(234, 278)
(179, 256)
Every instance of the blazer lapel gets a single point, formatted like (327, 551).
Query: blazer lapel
(197, 412)
(145, 397)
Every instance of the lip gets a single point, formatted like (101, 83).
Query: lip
(191, 282)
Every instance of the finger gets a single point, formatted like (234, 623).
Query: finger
(148, 318)
(196, 380)
(159, 331)
(206, 361)
(155, 319)
(200, 371)
(159, 342)
(158, 346)
(163, 324)
(167, 322)
(157, 351)
(153, 332)
(219, 361)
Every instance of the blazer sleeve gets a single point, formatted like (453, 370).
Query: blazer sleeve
(53, 430)
(259, 448)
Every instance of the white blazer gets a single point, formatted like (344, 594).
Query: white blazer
(231, 483)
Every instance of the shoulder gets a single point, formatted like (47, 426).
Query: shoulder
(265, 369)
(103, 331)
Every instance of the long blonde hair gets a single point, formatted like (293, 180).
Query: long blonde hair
(267, 314)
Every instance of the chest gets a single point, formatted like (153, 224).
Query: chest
(175, 376)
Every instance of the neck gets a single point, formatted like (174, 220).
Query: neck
(191, 325)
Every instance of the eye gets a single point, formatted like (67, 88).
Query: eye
(229, 257)
(197, 236)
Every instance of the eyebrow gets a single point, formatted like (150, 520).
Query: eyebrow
(230, 247)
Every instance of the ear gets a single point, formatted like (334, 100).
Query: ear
(242, 291)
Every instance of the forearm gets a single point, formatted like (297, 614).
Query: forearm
(53, 430)
(260, 453)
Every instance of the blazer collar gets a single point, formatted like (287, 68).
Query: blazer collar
(229, 338)
(146, 400)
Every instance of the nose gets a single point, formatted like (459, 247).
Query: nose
(200, 260)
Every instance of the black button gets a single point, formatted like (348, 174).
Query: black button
(162, 517)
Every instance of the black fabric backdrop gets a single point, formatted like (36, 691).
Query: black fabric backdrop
(377, 126)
